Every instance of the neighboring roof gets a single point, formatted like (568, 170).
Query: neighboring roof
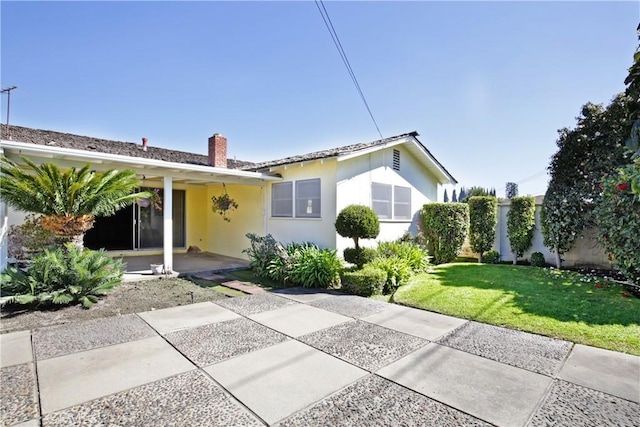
(88, 143)
(353, 149)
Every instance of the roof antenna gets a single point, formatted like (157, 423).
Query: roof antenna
(8, 90)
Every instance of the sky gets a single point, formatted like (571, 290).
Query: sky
(487, 85)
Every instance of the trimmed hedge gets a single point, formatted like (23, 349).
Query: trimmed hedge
(483, 217)
(359, 256)
(537, 259)
(520, 224)
(491, 257)
(445, 226)
(358, 222)
(364, 282)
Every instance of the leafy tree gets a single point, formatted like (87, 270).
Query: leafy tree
(358, 222)
(521, 222)
(446, 196)
(483, 217)
(511, 190)
(445, 225)
(454, 198)
(69, 200)
(585, 155)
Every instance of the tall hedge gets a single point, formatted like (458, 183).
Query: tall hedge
(521, 222)
(483, 217)
(445, 225)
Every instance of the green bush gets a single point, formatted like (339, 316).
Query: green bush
(358, 222)
(63, 276)
(537, 259)
(520, 224)
(491, 257)
(359, 256)
(313, 267)
(483, 217)
(445, 225)
(397, 269)
(413, 254)
(261, 252)
(364, 282)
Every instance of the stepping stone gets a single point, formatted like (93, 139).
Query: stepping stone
(218, 278)
(243, 287)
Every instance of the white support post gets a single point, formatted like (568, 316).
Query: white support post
(167, 207)
(4, 231)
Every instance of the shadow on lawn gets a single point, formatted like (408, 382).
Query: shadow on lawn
(545, 293)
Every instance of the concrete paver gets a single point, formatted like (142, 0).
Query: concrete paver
(252, 304)
(305, 295)
(278, 381)
(608, 371)
(299, 319)
(186, 316)
(79, 377)
(15, 348)
(19, 394)
(351, 305)
(492, 391)
(423, 324)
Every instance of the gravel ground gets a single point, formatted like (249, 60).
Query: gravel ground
(127, 298)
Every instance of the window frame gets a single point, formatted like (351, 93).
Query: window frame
(294, 189)
(288, 214)
(392, 203)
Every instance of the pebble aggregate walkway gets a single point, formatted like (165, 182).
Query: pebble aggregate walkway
(300, 357)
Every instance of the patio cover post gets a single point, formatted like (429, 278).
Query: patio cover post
(167, 206)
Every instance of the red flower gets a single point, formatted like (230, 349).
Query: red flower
(601, 186)
(622, 187)
(598, 285)
(625, 295)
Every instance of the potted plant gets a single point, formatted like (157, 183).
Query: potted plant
(154, 200)
(223, 204)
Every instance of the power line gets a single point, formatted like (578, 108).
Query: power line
(345, 60)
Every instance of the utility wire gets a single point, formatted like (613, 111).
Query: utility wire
(345, 60)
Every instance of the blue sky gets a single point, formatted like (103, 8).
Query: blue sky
(486, 84)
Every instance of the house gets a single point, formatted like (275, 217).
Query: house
(294, 199)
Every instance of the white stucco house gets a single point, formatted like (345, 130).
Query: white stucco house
(294, 199)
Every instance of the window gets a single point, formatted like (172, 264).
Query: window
(385, 197)
(381, 199)
(308, 198)
(282, 199)
(396, 160)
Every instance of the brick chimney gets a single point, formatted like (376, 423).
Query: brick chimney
(218, 151)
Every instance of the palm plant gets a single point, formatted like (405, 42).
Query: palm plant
(68, 200)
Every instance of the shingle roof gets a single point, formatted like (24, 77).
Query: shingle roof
(88, 143)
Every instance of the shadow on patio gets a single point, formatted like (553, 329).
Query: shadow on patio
(139, 266)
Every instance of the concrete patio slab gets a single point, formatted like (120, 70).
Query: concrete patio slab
(30, 423)
(489, 390)
(209, 344)
(305, 295)
(536, 353)
(186, 316)
(420, 323)
(15, 348)
(375, 401)
(364, 344)
(79, 377)
(350, 305)
(243, 287)
(569, 404)
(252, 304)
(608, 371)
(189, 399)
(19, 394)
(277, 381)
(299, 319)
(65, 339)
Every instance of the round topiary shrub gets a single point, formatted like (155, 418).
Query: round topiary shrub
(359, 256)
(365, 282)
(491, 257)
(357, 222)
(537, 260)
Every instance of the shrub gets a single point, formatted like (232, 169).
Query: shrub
(29, 238)
(520, 224)
(66, 275)
(359, 256)
(491, 257)
(445, 226)
(414, 255)
(483, 217)
(357, 222)
(537, 259)
(364, 282)
(261, 252)
(281, 266)
(314, 267)
(398, 272)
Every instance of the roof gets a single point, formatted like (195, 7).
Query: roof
(89, 143)
(355, 149)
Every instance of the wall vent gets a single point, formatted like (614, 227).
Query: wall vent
(396, 160)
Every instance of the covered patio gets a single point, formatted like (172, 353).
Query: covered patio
(139, 267)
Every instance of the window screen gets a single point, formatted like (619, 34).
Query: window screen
(282, 199)
(381, 199)
(401, 202)
(308, 198)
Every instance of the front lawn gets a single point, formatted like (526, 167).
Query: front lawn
(550, 302)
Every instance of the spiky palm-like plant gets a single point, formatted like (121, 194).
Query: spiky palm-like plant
(70, 199)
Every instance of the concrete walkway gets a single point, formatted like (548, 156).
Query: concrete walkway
(297, 357)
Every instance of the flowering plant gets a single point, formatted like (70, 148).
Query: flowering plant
(223, 204)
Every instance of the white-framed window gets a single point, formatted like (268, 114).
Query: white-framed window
(391, 201)
(282, 199)
(307, 201)
(308, 198)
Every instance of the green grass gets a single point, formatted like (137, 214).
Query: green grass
(549, 302)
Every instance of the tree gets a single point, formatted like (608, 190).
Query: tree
(462, 195)
(454, 198)
(445, 225)
(446, 196)
(521, 222)
(358, 222)
(511, 190)
(585, 155)
(483, 217)
(68, 200)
